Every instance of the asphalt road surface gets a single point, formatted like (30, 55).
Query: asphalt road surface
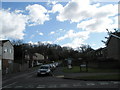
(30, 80)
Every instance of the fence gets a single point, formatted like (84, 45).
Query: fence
(20, 67)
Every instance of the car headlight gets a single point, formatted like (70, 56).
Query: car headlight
(48, 70)
(38, 71)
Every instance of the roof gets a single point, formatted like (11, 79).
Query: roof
(4, 41)
(116, 35)
(38, 56)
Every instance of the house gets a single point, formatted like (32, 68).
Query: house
(101, 53)
(113, 46)
(6, 56)
(37, 58)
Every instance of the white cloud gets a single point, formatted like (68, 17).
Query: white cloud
(41, 34)
(38, 43)
(56, 8)
(76, 42)
(74, 11)
(52, 32)
(18, 11)
(51, 3)
(93, 44)
(13, 24)
(116, 22)
(33, 43)
(37, 14)
(61, 29)
(71, 34)
(91, 17)
(47, 42)
(10, 28)
(77, 38)
(96, 25)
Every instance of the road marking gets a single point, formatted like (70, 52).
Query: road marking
(76, 85)
(103, 83)
(90, 84)
(18, 87)
(60, 76)
(52, 86)
(116, 82)
(7, 86)
(40, 86)
(64, 85)
(30, 86)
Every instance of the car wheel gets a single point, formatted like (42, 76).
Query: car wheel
(38, 75)
(50, 74)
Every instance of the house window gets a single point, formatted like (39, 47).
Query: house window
(101, 52)
(10, 50)
(5, 50)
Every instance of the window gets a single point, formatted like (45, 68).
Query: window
(5, 50)
(10, 50)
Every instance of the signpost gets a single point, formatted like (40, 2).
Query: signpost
(84, 65)
(69, 61)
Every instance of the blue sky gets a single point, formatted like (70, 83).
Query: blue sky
(65, 23)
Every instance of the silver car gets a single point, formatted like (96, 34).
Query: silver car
(44, 70)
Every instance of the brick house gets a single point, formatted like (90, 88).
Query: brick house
(6, 56)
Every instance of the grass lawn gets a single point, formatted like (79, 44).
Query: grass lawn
(76, 69)
(99, 77)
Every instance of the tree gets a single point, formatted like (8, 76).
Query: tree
(83, 51)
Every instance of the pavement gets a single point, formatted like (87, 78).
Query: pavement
(12, 75)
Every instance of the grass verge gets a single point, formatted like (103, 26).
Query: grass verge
(76, 69)
(98, 77)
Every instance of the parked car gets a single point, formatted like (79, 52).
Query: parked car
(56, 64)
(50, 65)
(38, 64)
(44, 70)
(53, 65)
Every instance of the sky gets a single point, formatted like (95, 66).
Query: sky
(69, 24)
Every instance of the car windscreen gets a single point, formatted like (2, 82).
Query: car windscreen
(44, 67)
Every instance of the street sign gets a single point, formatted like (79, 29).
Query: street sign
(83, 65)
(69, 66)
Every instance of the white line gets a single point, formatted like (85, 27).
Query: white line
(41, 86)
(9, 85)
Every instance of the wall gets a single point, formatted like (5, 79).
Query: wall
(0, 64)
(8, 51)
(18, 67)
(0, 51)
(7, 65)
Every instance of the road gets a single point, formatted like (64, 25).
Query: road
(30, 80)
